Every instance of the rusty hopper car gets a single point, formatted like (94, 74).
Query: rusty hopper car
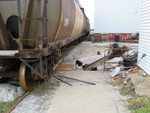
(32, 33)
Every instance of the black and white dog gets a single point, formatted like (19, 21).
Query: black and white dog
(78, 64)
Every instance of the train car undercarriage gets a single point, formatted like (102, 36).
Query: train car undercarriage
(31, 59)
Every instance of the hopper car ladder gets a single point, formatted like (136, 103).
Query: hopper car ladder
(39, 70)
(35, 68)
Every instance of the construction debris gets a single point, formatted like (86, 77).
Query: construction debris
(126, 74)
(144, 74)
(114, 72)
(130, 58)
(115, 50)
(126, 80)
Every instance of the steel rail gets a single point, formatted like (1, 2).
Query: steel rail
(19, 101)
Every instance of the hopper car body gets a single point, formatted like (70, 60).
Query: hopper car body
(32, 34)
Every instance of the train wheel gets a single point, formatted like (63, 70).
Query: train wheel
(26, 80)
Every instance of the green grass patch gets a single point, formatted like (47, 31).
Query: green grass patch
(44, 86)
(128, 89)
(4, 107)
(139, 105)
(41, 87)
(117, 82)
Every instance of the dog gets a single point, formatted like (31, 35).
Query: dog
(78, 64)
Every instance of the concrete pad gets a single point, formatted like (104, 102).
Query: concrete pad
(89, 76)
(85, 98)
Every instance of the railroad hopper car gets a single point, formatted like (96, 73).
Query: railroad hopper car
(32, 34)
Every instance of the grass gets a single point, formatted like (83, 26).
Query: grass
(124, 90)
(41, 87)
(128, 89)
(44, 86)
(117, 82)
(4, 107)
(139, 105)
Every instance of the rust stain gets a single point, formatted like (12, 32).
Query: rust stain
(59, 28)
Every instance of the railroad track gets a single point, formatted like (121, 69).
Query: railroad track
(19, 100)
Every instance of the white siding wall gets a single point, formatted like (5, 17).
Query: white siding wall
(117, 16)
(144, 44)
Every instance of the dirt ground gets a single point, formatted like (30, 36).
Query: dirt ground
(141, 83)
(80, 97)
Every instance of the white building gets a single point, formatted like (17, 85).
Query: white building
(144, 43)
(117, 16)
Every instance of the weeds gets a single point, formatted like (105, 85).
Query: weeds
(41, 87)
(118, 82)
(139, 105)
(44, 86)
(128, 89)
(4, 107)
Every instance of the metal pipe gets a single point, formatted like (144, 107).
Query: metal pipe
(78, 80)
(62, 80)
(4, 38)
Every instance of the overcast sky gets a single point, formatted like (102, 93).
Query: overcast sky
(117, 16)
(113, 14)
(88, 5)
